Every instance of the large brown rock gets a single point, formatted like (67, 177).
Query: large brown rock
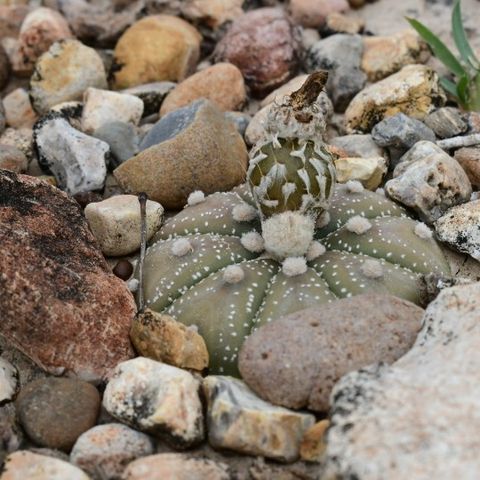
(59, 302)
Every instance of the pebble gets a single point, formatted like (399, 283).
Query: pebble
(11, 158)
(102, 106)
(192, 148)
(63, 73)
(240, 119)
(54, 412)
(459, 228)
(414, 91)
(222, 84)
(399, 421)
(78, 161)
(3, 121)
(340, 54)
(469, 159)
(9, 381)
(40, 29)
(123, 269)
(162, 338)
(55, 284)
(473, 121)
(264, 45)
(358, 146)
(313, 13)
(158, 399)
(367, 170)
(175, 466)
(20, 138)
(4, 67)
(447, 122)
(238, 420)
(313, 444)
(428, 180)
(212, 13)
(155, 48)
(152, 95)
(18, 109)
(340, 23)
(383, 56)
(116, 223)
(105, 450)
(23, 465)
(296, 360)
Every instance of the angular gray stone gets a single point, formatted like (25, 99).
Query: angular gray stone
(446, 122)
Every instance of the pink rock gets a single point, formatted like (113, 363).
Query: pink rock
(313, 13)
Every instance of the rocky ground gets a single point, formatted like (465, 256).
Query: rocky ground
(353, 356)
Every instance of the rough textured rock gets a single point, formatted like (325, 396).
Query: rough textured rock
(313, 13)
(222, 84)
(152, 95)
(105, 450)
(446, 122)
(193, 148)
(157, 399)
(264, 45)
(459, 227)
(158, 47)
(11, 158)
(369, 171)
(9, 382)
(60, 305)
(64, 72)
(18, 109)
(21, 139)
(414, 90)
(469, 159)
(54, 412)
(398, 422)
(238, 420)
(428, 180)
(296, 360)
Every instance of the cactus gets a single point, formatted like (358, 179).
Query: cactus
(214, 266)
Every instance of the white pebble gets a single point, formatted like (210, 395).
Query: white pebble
(372, 269)
(314, 251)
(253, 242)
(422, 231)
(358, 225)
(293, 266)
(132, 284)
(243, 212)
(181, 247)
(233, 274)
(196, 197)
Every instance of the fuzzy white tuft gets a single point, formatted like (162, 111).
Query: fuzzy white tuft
(358, 225)
(243, 212)
(196, 197)
(354, 186)
(132, 284)
(181, 247)
(253, 242)
(323, 220)
(315, 250)
(380, 191)
(422, 231)
(372, 269)
(233, 274)
(288, 234)
(293, 266)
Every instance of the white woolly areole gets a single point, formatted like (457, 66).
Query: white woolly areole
(422, 231)
(243, 212)
(354, 186)
(323, 220)
(315, 249)
(196, 197)
(293, 266)
(372, 269)
(181, 247)
(233, 274)
(288, 234)
(253, 242)
(358, 225)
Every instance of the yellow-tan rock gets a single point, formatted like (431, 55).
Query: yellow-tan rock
(212, 13)
(368, 171)
(313, 444)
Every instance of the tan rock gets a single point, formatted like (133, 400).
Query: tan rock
(212, 12)
(369, 171)
(339, 23)
(162, 338)
(18, 109)
(314, 443)
(222, 84)
(159, 47)
(469, 159)
(313, 13)
(414, 90)
(13, 159)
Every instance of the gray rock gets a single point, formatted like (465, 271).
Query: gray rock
(241, 120)
(296, 360)
(417, 419)
(9, 382)
(11, 158)
(152, 95)
(446, 122)
(78, 161)
(341, 54)
(3, 120)
(4, 67)
(428, 180)
(238, 420)
(358, 146)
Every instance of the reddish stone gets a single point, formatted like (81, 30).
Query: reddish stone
(59, 304)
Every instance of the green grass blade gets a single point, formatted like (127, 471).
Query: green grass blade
(449, 86)
(440, 50)
(463, 91)
(460, 38)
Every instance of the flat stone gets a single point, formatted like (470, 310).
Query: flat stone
(469, 159)
(9, 381)
(116, 223)
(398, 421)
(105, 450)
(152, 95)
(158, 399)
(428, 180)
(11, 158)
(368, 171)
(238, 420)
(446, 122)
(414, 91)
(60, 304)
(18, 109)
(314, 13)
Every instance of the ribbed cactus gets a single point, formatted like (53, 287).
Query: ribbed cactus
(219, 264)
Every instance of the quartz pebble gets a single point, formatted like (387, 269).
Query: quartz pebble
(313, 13)
(11, 158)
(469, 159)
(9, 381)
(367, 170)
(18, 109)
(446, 122)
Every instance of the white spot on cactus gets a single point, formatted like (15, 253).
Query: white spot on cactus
(358, 225)
(315, 250)
(181, 247)
(132, 284)
(293, 266)
(233, 274)
(372, 269)
(323, 219)
(196, 197)
(243, 212)
(422, 231)
(253, 242)
(354, 186)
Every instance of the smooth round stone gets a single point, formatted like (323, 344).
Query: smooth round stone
(296, 360)
(158, 47)
(11, 158)
(54, 412)
(18, 109)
